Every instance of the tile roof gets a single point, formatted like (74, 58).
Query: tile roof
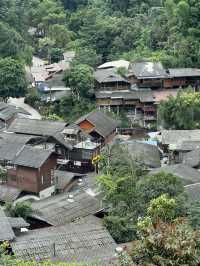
(144, 153)
(85, 242)
(18, 222)
(188, 145)
(193, 192)
(59, 137)
(108, 75)
(8, 193)
(6, 232)
(103, 124)
(186, 173)
(63, 178)
(6, 137)
(32, 157)
(178, 136)
(148, 69)
(58, 210)
(192, 158)
(8, 111)
(36, 127)
(8, 223)
(8, 151)
(41, 73)
(184, 72)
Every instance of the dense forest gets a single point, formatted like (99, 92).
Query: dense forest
(99, 30)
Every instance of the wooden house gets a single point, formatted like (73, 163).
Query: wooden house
(48, 132)
(138, 104)
(147, 74)
(72, 146)
(183, 77)
(99, 126)
(32, 170)
(110, 79)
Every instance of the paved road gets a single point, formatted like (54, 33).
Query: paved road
(19, 102)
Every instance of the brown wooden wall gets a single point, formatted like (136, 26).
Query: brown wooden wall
(30, 179)
(171, 83)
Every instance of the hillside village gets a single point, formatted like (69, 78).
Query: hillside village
(99, 133)
(53, 165)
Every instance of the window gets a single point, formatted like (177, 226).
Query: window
(42, 180)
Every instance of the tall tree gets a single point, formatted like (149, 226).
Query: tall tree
(12, 78)
(181, 112)
(80, 79)
(11, 42)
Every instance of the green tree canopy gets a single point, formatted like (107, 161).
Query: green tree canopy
(60, 34)
(20, 209)
(181, 112)
(168, 244)
(12, 78)
(80, 79)
(128, 197)
(162, 208)
(11, 43)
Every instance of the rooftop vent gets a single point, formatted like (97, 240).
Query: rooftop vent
(70, 198)
(80, 181)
